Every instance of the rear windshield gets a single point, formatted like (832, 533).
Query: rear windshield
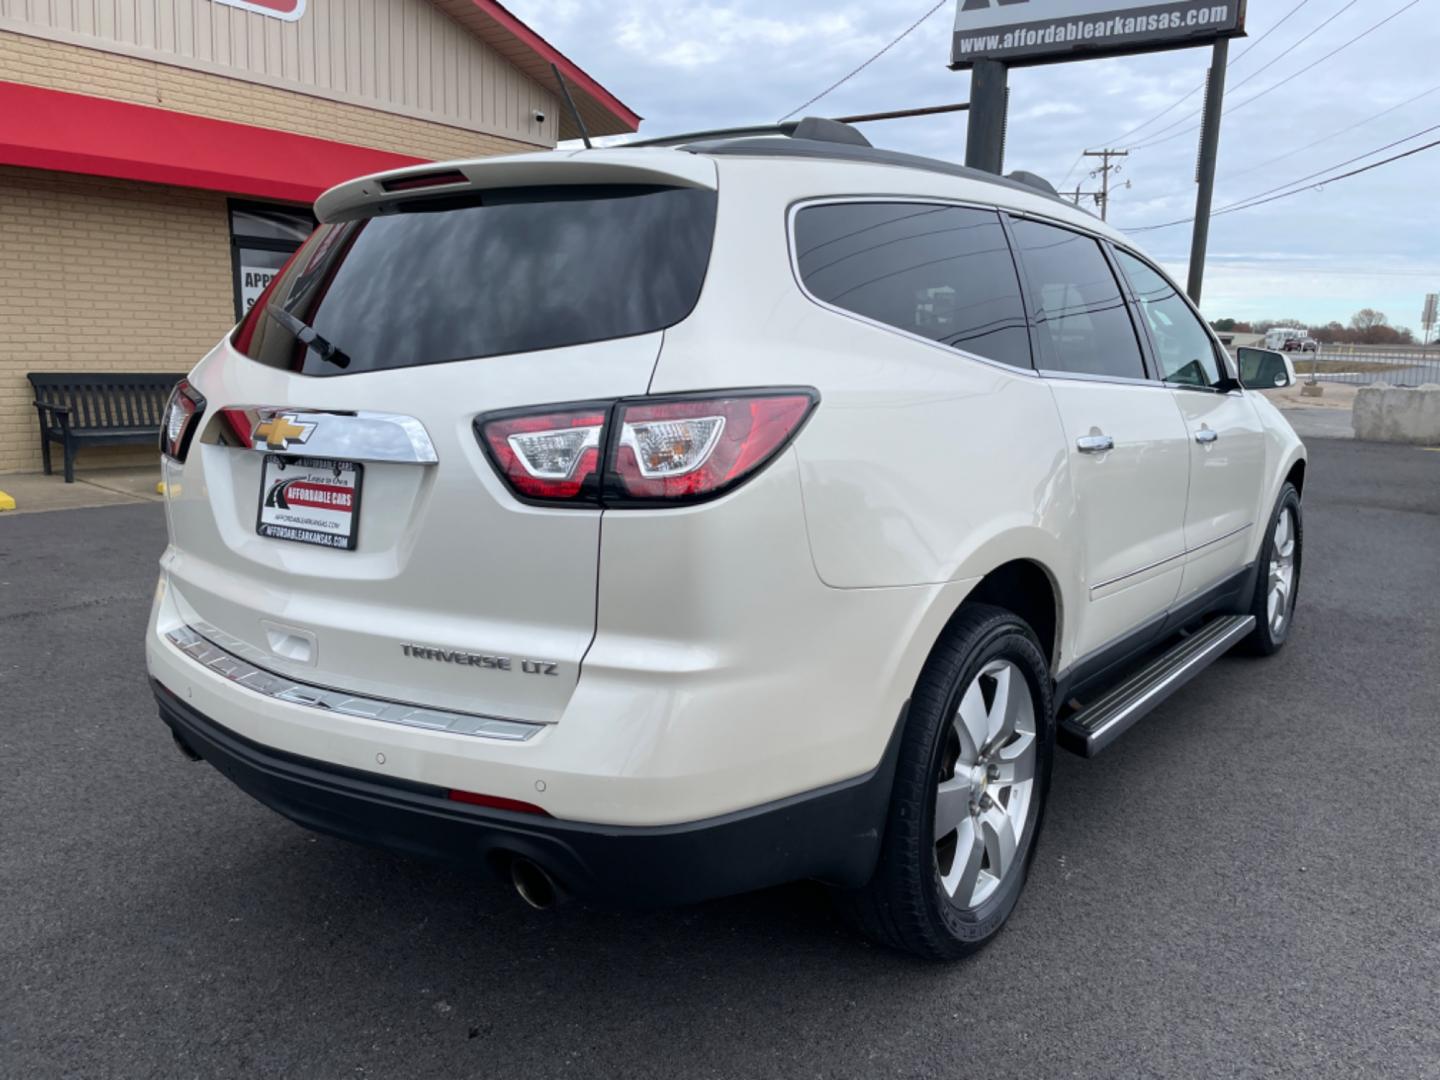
(489, 273)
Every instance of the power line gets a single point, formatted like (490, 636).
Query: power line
(1337, 165)
(1078, 158)
(1288, 78)
(1256, 74)
(1333, 134)
(1254, 201)
(840, 82)
(1192, 115)
(1119, 140)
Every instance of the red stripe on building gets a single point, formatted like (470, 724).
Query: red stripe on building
(52, 129)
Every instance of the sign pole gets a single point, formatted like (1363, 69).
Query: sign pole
(985, 137)
(1205, 168)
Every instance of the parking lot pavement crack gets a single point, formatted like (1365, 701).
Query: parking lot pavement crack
(77, 605)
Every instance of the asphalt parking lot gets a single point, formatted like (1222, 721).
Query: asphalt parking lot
(1248, 884)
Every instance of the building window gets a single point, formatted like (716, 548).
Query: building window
(262, 237)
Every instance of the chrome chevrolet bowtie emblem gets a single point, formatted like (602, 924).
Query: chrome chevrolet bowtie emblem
(279, 432)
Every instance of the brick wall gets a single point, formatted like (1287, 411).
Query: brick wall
(100, 274)
(59, 66)
(103, 275)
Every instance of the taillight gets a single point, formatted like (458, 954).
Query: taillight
(657, 451)
(182, 418)
(687, 450)
(552, 456)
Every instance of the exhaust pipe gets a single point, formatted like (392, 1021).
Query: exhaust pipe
(535, 886)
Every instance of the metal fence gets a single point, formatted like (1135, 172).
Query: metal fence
(1362, 366)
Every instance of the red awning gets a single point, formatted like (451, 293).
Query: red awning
(51, 129)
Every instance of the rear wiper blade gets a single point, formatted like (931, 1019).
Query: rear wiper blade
(307, 335)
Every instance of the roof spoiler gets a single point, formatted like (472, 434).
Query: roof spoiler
(389, 191)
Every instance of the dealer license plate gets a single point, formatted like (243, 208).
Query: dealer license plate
(310, 501)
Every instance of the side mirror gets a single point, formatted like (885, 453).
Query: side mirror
(1262, 369)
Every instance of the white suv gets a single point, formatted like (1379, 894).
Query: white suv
(652, 524)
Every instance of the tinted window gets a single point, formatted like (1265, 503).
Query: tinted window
(1076, 303)
(943, 272)
(254, 221)
(497, 272)
(262, 239)
(1183, 348)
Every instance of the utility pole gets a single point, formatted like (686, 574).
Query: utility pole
(1104, 172)
(1076, 195)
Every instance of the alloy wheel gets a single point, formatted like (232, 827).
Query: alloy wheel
(986, 782)
(1282, 571)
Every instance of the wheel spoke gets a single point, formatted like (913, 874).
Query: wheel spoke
(999, 837)
(952, 806)
(1001, 721)
(972, 723)
(1015, 763)
(1282, 531)
(965, 870)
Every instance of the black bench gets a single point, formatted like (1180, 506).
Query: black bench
(81, 408)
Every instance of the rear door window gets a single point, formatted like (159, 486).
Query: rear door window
(942, 272)
(485, 274)
(1078, 308)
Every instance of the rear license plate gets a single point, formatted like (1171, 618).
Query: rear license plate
(310, 501)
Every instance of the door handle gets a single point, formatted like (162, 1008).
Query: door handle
(1205, 435)
(1095, 444)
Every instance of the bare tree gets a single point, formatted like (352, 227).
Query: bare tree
(1367, 319)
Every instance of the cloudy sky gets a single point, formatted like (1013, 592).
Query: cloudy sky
(1370, 241)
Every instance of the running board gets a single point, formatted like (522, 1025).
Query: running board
(1103, 721)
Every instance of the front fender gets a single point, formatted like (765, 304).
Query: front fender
(1283, 451)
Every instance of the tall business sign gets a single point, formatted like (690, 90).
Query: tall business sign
(1021, 32)
(992, 36)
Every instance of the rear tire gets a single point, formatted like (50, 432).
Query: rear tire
(969, 795)
(1277, 576)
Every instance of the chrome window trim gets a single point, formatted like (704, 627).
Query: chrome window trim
(359, 435)
(196, 643)
(917, 200)
(1091, 377)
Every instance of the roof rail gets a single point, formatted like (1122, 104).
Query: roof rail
(818, 137)
(1030, 179)
(817, 128)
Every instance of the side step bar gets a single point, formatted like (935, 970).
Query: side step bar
(1103, 721)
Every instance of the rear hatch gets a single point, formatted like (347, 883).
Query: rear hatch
(336, 518)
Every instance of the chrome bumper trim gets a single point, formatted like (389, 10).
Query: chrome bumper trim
(219, 659)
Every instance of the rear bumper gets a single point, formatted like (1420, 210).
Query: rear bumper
(832, 834)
